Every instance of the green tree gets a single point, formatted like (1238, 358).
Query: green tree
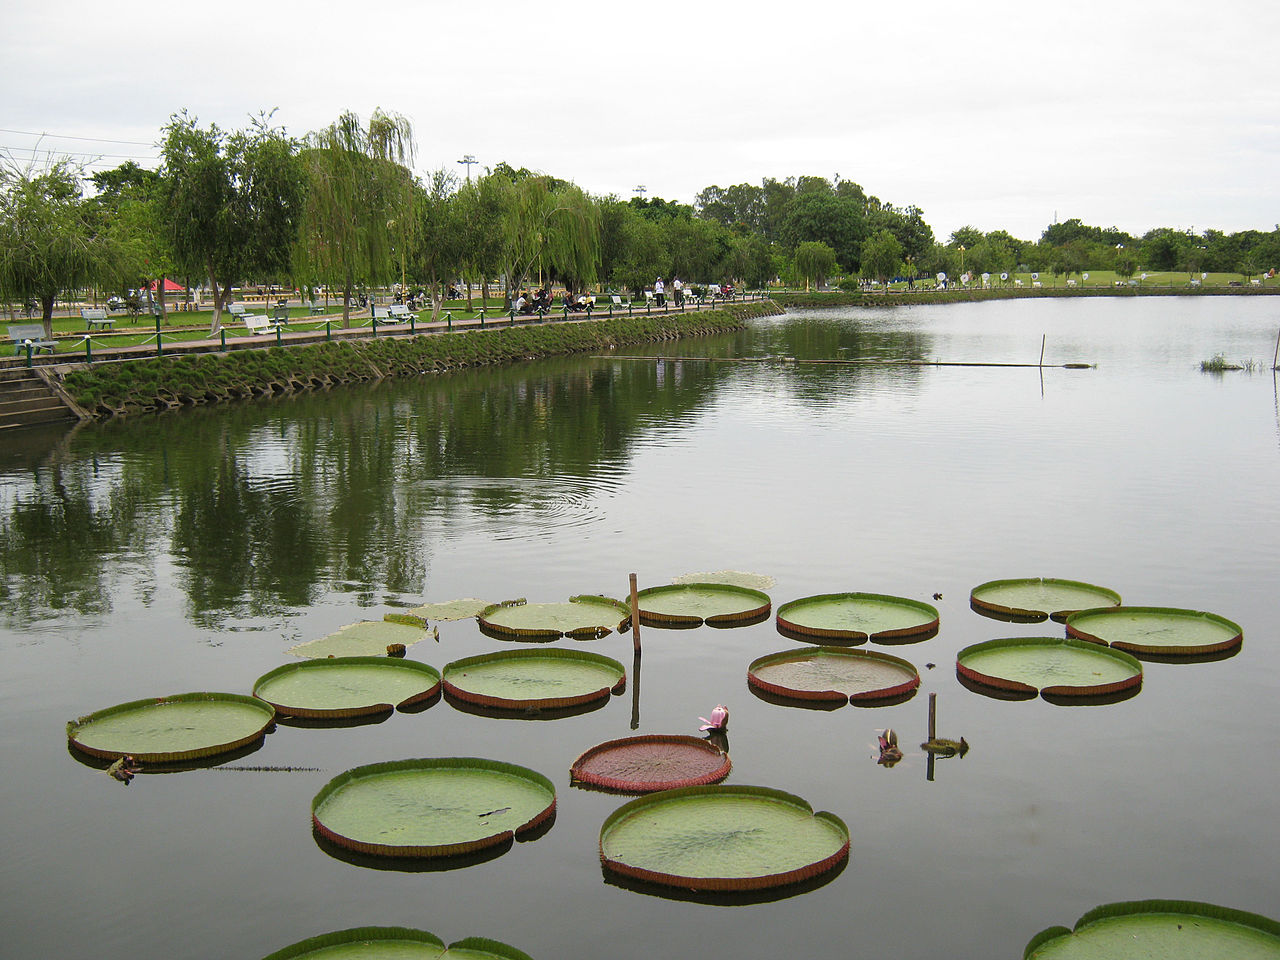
(230, 202)
(47, 243)
(814, 262)
(881, 255)
(641, 255)
(838, 222)
(358, 215)
(547, 225)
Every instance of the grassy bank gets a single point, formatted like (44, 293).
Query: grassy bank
(906, 298)
(114, 389)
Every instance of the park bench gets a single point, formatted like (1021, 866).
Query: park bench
(96, 317)
(380, 313)
(21, 333)
(280, 315)
(399, 311)
(256, 323)
(316, 308)
(236, 310)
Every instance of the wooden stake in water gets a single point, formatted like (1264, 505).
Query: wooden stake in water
(1275, 361)
(933, 716)
(635, 617)
(1042, 339)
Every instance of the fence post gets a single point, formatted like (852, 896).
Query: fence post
(328, 330)
(88, 350)
(29, 346)
(159, 351)
(222, 333)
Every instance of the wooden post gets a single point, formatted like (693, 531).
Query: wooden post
(635, 617)
(1042, 339)
(1275, 361)
(933, 716)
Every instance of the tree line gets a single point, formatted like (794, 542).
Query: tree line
(340, 208)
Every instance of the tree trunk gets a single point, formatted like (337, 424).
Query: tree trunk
(346, 304)
(219, 299)
(164, 313)
(46, 313)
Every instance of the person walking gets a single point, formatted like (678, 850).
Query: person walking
(659, 293)
(677, 288)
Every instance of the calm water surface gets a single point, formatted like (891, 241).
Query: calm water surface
(190, 551)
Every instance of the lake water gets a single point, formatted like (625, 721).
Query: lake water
(189, 551)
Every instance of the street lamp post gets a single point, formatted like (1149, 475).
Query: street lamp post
(468, 160)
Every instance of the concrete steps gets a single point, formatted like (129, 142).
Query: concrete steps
(26, 400)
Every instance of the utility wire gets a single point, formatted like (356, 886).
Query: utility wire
(79, 153)
(55, 136)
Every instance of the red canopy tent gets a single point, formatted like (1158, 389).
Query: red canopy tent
(169, 286)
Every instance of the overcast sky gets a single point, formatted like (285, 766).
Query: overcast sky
(1132, 114)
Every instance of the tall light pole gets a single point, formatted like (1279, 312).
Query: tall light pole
(468, 160)
(639, 190)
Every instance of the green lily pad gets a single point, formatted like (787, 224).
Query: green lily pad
(582, 618)
(431, 807)
(394, 943)
(450, 610)
(367, 638)
(1054, 666)
(347, 686)
(1168, 929)
(722, 838)
(1164, 631)
(856, 617)
(188, 726)
(519, 679)
(835, 674)
(1039, 598)
(692, 604)
(650, 762)
(735, 578)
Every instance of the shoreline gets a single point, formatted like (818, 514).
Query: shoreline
(911, 298)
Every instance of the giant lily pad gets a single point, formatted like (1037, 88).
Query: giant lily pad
(1168, 929)
(736, 578)
(692, 604)
(1039, 598)
(1163, 631)
(188, 726)
(347, 686)
(394, 943)
(519, 679)
(834, 674)
(856, 617)
(365, 639)
(1054, 666)
(582, 618)
(722, 838)
(651, 762)
(431, 807)
(450, 609)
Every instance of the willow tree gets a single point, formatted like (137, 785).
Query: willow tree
(230, 201)
(47, 243)
(547, 225)
(359, 217)
(814, 261)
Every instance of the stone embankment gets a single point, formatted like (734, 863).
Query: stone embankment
(104, 390)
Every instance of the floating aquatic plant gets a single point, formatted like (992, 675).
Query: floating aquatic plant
(722, 838)
(521, 679)
(363, 639)
(692, 604)
(1168, 929)
(450, 610)
(1160, 631)
(650, 762)
(1031, 599)
(1053, 666)
(402, 943)
(187, 726)
(734, 578)
(834, 674)
(347, 686)
(857, 617)
(440, 807)
(581, 618)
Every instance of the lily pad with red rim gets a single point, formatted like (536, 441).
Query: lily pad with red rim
(722, 838)
(581, 618)
(693, 604)
(650, 762)
(1053, 666)
(394, 943)
(1030, 599)
(186, 726)
(857, 617)
(1168, 929)
(435, 807)
(520, 679)
(347, 686)
(1161, 631)
(834, 674)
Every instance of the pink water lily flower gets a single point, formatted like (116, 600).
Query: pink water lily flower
(719, 718)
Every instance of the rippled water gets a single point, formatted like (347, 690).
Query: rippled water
(190, 551)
